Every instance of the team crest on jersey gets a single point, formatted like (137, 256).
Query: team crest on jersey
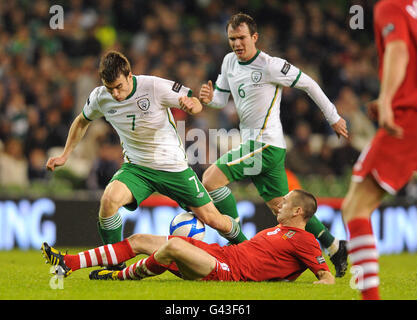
(143, 104)
(288, 235)
(256, 76)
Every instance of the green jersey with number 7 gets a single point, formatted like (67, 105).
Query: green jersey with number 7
(144, 122)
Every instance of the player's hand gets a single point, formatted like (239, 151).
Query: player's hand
(324, 281)
(190, 105)
(54, 162)
(340, 128)
(386, 119)
(206, 92)
(372, 108)
(325, 277)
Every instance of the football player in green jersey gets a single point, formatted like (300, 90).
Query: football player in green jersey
(138, 108)
(255, 80)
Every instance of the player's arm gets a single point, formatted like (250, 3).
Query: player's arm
(191, 105)
(325, 277)
(311, 87)
(283, 73)
(214, 97)
(394, 70)
(217, 95)
(77, 130)
(174, 94)
(308, 251)
(390, 22)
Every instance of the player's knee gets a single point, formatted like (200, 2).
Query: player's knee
(174, 246)
(108, 205)
(206, 180)
(211, 179)
(135, 241)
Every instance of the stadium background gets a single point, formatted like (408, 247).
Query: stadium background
(46, 75)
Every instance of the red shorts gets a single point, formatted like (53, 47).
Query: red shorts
(391, 161)
(221, 271)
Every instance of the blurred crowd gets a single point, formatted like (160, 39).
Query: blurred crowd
(47, 74)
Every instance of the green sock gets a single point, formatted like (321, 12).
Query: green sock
(239, 238)
(321, 233)
(235, 235)
(225, 202)
(110, 229)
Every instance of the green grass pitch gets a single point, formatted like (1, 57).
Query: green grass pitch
(25, 276)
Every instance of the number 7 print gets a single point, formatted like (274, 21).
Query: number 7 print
(195, 180)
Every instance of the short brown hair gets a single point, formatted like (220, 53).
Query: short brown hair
(237, 19)
(306, 201)
(112, 65)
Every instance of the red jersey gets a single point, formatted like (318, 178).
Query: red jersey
(397, 20)
(278, 253)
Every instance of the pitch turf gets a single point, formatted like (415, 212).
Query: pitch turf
(26, 276)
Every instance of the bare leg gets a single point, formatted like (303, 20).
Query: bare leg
(116, 195)
(209, 214)
(214, 178)
(194, 263)
(215, 181)
(146, 243)
(361, 200)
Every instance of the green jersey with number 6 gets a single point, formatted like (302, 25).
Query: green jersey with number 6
(144, 122)
(256, 86)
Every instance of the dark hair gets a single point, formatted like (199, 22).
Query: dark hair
(237, 19)
(112, 65)
(306, 201)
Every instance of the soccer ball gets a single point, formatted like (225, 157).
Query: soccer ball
(186, 224)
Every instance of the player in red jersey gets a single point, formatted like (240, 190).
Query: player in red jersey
(387, 164)
(279, 253)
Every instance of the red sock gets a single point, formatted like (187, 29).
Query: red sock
(154, 266)
(146, 267)
(173, 268)
(364, 255)
(107, 255)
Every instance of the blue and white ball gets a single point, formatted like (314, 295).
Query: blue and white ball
(186, 224)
